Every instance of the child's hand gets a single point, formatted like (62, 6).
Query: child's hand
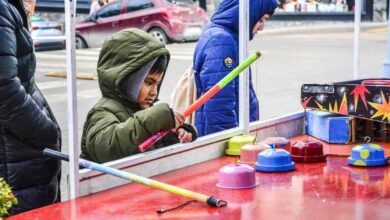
(184, 136)
(179, 120)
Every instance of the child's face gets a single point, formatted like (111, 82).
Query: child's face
(260, 24)
(149, 92)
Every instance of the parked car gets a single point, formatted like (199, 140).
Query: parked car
(46, 35)
(183, 2)
(166, 21)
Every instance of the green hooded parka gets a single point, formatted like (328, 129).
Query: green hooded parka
(115, 126)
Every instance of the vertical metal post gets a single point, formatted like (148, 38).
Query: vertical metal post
(243, 54)
(73, 146)
(386, 63)
(358, 12)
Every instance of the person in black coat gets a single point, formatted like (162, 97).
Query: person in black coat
(27, 124)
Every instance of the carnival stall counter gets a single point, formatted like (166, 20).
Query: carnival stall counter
(325, 190)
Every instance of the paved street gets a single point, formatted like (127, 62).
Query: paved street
(289, 59)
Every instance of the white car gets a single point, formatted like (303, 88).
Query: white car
(46, 35)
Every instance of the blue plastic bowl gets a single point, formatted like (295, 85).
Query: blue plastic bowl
(367, 155)
(274, 160)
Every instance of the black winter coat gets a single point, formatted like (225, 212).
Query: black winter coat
(27, 124)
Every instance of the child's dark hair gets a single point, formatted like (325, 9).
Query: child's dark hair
(160, 65)
(271, 13)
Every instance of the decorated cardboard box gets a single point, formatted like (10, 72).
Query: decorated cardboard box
(367, 99)
(330, 127)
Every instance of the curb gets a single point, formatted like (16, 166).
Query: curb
(62, 74)
(371, 27)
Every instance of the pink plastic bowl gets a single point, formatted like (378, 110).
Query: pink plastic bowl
(236, 176)
(249, 152)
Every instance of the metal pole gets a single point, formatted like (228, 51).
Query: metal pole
(243, 53)
(386, 63)
(70, 13)
(358, 10)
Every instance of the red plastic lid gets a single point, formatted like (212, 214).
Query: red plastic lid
(307, 151)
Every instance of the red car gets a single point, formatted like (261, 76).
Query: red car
(163, 19)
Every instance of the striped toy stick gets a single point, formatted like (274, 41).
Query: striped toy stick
(204, 98)
(210, 200)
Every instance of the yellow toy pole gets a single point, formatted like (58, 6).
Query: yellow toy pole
(210, 200)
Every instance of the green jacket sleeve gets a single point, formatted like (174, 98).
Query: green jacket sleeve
(107, 138)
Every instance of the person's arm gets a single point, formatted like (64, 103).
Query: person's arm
(92, 10)
(109, 139)
(190, 129)
(19, 114)
(220, 112)
(172, 137)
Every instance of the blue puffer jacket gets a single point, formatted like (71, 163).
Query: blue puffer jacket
(216, 55)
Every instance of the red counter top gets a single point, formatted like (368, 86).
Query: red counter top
(327, 190)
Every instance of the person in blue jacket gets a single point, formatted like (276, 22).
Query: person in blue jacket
(216, 55)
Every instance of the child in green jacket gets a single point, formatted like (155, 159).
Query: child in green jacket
(131, 68)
